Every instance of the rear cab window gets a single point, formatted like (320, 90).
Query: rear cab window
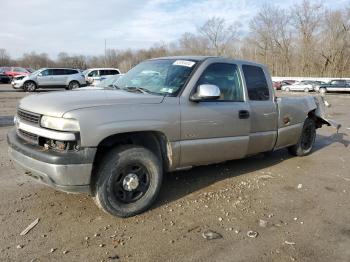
(257, 87)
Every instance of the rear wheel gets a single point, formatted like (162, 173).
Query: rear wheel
(29, 86)
(287, 89)
(73, 85)
(306, 140)
(128, 181)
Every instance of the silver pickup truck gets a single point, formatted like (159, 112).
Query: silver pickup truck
(165, 114)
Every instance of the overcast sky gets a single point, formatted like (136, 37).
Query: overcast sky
(80, 26)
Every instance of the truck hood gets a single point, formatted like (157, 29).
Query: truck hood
(58, 103)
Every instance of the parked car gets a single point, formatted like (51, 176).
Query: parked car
(50, 77)
(16, 71)
(116, 143)
(287, 82)
(17, 82)
(277, 85)
(316, 84)
(109, 81)
(336, 85)
(305, 86)
(3, 77)
(30, 70)
(95, 75)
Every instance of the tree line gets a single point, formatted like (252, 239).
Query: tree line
(306, 39)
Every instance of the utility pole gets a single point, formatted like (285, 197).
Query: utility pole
(105, 52)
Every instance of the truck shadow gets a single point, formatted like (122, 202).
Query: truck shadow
(6, 121)
(182, 183)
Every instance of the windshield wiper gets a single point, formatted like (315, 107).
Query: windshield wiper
(115, 86)
(137, 89)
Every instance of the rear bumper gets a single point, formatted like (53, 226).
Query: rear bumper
(68, 172)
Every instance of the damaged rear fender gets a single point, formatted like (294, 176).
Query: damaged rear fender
(320, 114)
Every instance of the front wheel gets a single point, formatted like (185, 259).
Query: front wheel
(128, 181)
(29, 86)
(306, 140)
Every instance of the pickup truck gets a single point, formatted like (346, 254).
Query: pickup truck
(337, 85)
(165, 114)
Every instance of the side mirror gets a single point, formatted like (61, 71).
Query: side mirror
(40, 74)
(206, 92)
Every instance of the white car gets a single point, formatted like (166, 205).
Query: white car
(67, 78)
(94, 76)
(305, 86)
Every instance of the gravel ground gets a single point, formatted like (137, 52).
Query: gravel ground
(298, 207)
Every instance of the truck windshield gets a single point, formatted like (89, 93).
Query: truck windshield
(160, 77)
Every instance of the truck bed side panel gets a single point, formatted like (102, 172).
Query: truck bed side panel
(292, 113)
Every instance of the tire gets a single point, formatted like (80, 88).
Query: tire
(73, 85)
(306, 140)
(287, 89)
(322, 90)
(116, 190)
(306, 90)
(29, 86)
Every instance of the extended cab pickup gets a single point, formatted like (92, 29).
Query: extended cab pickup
(165, 114)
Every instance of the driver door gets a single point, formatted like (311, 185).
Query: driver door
(45, 77)
(217, 130)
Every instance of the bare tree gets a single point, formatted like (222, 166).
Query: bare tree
(4, 57)
(220, 35)
(307, 40)
(272, 37)
(307, 18)
(335, 43)
(191, 44)
(35, 60)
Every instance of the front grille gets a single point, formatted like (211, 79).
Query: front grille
(29, 137)
(28, 116)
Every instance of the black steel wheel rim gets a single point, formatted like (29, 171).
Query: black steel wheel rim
(126, 196)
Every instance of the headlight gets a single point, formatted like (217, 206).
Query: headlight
(57, 123)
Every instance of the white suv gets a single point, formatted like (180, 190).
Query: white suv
(93, 76)
(50, 77)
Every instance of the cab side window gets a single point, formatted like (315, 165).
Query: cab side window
(255, 79)
(226, 77)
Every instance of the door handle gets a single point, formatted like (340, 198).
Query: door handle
(243, 114)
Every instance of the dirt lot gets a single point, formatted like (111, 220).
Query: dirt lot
(303, 205)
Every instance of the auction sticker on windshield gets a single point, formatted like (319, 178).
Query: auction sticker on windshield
(184, 63)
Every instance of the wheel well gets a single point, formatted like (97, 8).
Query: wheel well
(318, 120)
(31, 81)
(154, 141)
(71, 81)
